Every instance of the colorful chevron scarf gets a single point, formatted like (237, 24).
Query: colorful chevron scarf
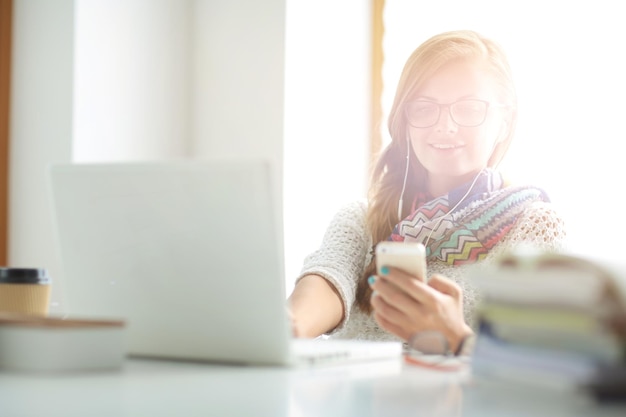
(480, 221)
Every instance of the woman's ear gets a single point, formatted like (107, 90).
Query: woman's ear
(507, 126)
(503, 140)
(503, 134)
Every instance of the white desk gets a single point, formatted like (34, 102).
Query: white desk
(161, 388)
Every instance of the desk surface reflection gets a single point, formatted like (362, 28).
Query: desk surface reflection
(163, 388)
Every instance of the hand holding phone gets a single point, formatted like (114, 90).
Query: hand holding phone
(408, 256)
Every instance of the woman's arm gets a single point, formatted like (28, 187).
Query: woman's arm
(324, 292)
(540, 226)
(315, 307)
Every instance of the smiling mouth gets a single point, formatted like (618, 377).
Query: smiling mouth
(444, 146)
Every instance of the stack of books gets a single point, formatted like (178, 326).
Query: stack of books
(552, 319)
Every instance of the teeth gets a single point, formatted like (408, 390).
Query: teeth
(443, 145)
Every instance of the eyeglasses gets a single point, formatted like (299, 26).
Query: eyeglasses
(430, 349)
(465, 113)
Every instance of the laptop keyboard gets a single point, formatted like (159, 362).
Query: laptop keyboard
(322, 351)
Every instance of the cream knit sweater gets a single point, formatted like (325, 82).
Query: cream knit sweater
(344, 254)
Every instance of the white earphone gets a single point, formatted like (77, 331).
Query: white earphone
(406, 175)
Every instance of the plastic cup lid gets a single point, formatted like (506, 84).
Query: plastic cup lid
(24, 276)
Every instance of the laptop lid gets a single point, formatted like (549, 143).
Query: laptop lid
(189, 253)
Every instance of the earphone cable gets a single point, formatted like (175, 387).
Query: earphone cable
(406, 174)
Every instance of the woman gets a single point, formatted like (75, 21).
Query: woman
(451, 123)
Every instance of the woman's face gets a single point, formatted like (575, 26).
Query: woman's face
(451, 153)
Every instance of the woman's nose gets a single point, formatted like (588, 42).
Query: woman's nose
(446, 123)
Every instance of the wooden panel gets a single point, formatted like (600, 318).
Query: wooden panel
(6, 27)
(376, 112)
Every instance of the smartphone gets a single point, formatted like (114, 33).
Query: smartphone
(408, 256)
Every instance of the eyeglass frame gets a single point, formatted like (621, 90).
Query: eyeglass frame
(487, 103)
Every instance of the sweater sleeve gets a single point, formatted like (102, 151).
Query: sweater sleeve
(342, 255)
(539, 226)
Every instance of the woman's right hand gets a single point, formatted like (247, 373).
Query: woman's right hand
(404, 305)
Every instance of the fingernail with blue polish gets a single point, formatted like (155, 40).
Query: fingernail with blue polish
(384, 270)
(371, 279)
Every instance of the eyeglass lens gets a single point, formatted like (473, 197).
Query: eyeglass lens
(467, 113)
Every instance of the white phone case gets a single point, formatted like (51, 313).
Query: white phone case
(408, 256)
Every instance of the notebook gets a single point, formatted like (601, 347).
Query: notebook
(189, 254)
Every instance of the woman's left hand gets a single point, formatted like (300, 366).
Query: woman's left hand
(404, 306)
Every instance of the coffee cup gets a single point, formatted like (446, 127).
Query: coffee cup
(24, 291)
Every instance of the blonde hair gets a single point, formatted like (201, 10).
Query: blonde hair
(388, 173)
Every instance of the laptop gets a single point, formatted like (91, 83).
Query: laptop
(189, 254)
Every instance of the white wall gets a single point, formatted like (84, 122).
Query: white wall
(41, 125)
(179, 79)
(132, 80)
(238, 78)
